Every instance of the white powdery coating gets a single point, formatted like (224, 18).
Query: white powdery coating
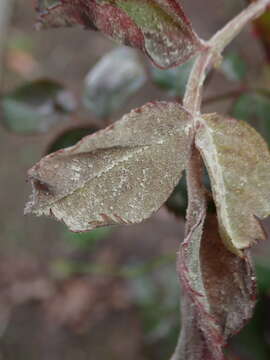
(221, 288)
(238, 162)
(119, 175)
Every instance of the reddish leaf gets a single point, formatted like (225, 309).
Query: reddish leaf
(158, 27)
(221, 291)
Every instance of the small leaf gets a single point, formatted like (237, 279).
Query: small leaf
(173, 80)
(221, 291)
(118, 175)
(117, 76)
(158, 27)
(36, 107)
(234, 67)
(238, 162)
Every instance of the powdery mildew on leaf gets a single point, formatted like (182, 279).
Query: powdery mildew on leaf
(157, 27)
(238, 162)
(221, 290)
(118, 175)
(192, 345)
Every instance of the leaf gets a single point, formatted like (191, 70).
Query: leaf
(221, 289)
(117, 76)
(118, 175)
(191, 344)
(238, 162)
(254, 107)
(36, 107)
(158, 27)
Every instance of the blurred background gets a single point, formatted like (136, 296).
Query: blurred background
(112, 292)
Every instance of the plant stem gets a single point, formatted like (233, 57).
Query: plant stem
(192, 102)
(212, 53)
(225, 36)
(193, 95)
(208, 57)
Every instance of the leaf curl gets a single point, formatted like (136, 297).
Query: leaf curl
(157, 27)
(118, 175)
(221, 290)
(238, 162)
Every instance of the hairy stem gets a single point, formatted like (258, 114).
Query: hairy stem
(193, 95)
(225, 36)
(212, 53)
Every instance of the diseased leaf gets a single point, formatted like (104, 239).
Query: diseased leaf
(117, 76)
(118, 175)
(221, 289)
(157, 27)
(191, 344)
(238, 162)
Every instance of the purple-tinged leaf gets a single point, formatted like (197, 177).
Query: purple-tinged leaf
(191, 345)
(158, 27)
(118, 175)
(220, 288)
(238, 162)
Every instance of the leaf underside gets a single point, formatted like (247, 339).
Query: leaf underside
(157, 27)
(220, 292)
(238, 162)
(118, 175)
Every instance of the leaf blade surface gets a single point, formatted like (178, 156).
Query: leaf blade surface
(118, 175)
(159, 28)
(238, 162)
(221, 289)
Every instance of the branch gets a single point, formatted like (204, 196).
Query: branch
(212, 53)
(225, 36)
(192, 102)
